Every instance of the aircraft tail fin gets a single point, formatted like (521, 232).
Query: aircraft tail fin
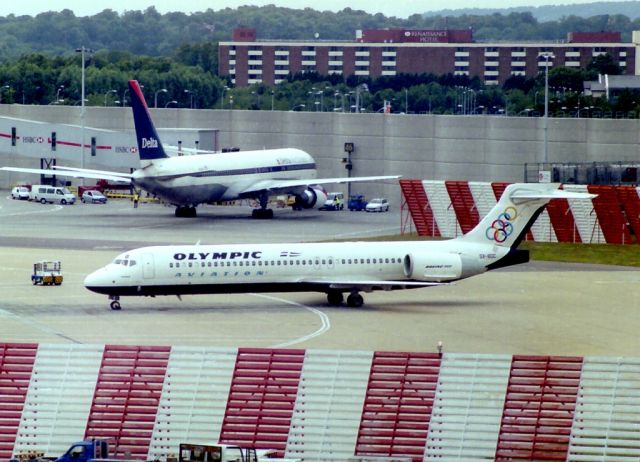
(509, 221)
(149, 145)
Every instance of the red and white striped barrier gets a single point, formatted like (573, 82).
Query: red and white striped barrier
(319, 404)
(452, 208)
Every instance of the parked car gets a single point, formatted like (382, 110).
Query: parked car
(357, 203)
(335, 201)
(51, 194)
(93, 197)
(20, 192)
(378, 204)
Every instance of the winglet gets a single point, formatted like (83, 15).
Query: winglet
(149, 145)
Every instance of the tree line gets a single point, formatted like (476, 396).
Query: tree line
(153, 34)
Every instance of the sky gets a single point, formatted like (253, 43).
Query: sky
(398, 8)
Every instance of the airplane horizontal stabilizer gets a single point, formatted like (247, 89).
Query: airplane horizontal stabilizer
(72, 173)
(283, 186)
(556, 194)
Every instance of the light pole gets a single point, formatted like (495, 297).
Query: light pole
(358, 88)
(106, 95)
(545, 157)
(155, 96)
(83, 51)
(60, 88)
(124, 95)
(222, 97)
(190, 93)
(406, 101)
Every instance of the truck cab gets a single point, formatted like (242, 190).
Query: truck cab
(83, 451)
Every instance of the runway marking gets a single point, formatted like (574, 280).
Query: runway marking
(41, 327)
(324, 319)
(54, 209)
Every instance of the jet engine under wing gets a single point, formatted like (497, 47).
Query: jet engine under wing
(283, 186)
(75, 173)
(369, 286)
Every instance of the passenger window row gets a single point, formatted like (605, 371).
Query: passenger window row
(343, 261)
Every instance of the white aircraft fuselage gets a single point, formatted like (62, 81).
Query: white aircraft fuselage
(210, 269)
(216, 177)
(332, 268)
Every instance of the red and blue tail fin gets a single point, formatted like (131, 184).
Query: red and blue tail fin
(149, 145)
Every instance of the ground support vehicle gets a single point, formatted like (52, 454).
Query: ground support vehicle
(47, 273)
(225, 453)
(335, 201)
(20, 192)
(51, 194)
(82, 451)
(357, 203)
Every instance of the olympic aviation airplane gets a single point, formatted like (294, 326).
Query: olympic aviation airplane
(187, 181)
(335, 268)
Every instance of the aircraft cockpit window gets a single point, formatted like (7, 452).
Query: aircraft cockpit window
(132, 263)
(117, 261)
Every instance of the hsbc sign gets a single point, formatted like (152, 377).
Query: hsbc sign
(33, 139)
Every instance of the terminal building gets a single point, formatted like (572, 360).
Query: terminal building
(388, 52)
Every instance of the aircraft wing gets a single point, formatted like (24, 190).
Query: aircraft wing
(286, 186)
(370, 285)
(75, 173)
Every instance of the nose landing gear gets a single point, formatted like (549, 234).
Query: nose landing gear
(115, 302)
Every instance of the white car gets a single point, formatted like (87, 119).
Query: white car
(20, 192)
(93, 197)
(335, 201)
(378, 204)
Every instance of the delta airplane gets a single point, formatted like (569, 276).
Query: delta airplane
(187, 181)
(332, 268)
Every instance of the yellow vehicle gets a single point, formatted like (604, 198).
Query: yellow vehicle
(47, 273)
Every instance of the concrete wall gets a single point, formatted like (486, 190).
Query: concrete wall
(474, 148)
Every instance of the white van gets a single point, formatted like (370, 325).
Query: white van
(53, 194)
(335, 201)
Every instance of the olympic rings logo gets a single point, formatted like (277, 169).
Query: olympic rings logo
(502, 227)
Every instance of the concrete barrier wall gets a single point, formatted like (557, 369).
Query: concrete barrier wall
(472, 148)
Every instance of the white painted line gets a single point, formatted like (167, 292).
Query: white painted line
(36, 325)
(55, 208)
(324, 319)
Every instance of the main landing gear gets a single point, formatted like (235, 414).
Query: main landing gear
(115, 302)
(354, 300)
(263, 213)
(186, 212)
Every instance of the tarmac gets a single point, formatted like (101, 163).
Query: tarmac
(536, 308)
